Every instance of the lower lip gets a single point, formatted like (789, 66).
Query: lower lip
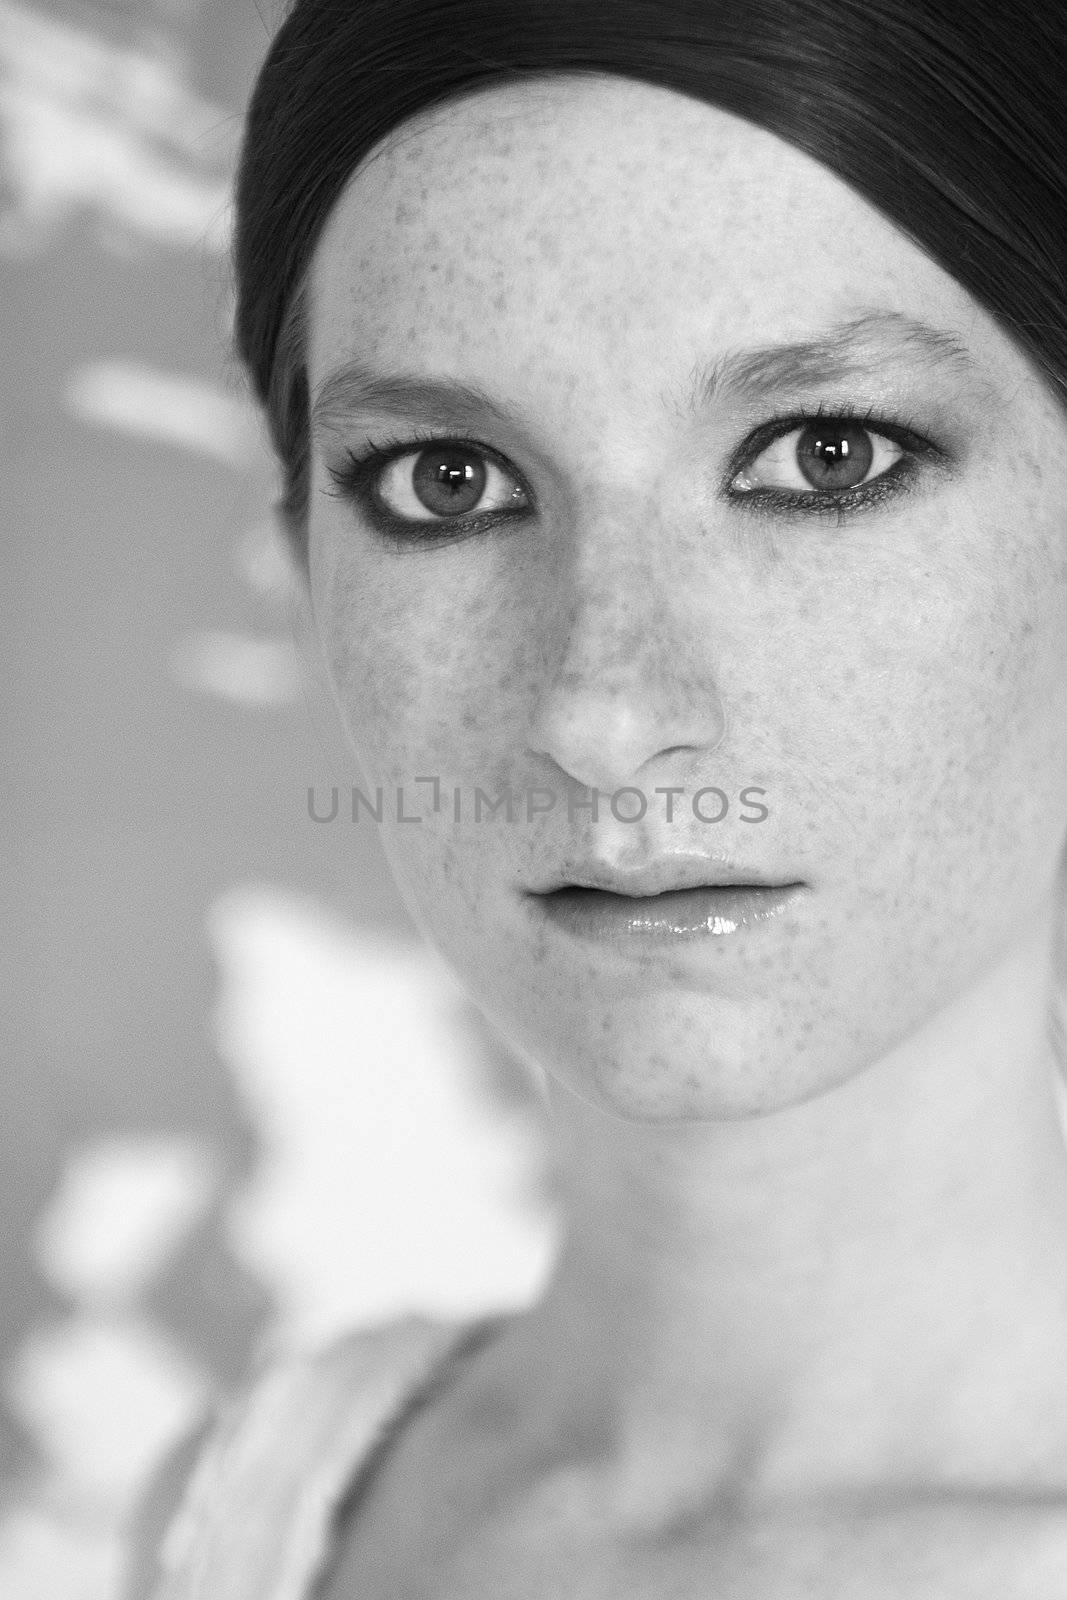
(680, 914)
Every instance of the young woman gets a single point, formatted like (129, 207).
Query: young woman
(673, 406)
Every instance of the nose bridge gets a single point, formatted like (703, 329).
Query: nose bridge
(618, 615)
(613, 621)
(626, 675)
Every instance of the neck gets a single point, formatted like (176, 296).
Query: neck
(866, 1290)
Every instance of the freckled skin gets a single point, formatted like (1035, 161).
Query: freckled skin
(767, 1120)
(892, 684)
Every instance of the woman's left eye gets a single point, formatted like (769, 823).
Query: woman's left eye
(826, 462)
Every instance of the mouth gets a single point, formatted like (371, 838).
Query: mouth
(691, 912)
(671, 875)
(577, 888)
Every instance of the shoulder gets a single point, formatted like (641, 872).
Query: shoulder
(158, 1504)
(249, 1462)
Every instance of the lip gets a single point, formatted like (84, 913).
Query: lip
(674, 915)
(659, 876)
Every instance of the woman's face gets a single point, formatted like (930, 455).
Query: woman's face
(644, 614)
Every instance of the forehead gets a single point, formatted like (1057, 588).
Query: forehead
(603, 217)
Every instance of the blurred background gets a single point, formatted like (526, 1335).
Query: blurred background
(244, 1106)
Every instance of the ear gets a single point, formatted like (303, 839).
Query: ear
(291, 554)
(292, 539)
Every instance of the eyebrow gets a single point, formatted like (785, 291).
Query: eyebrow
(843, 350)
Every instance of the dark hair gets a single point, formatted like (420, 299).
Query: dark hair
(945, 115)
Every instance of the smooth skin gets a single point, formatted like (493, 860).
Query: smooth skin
(807, 1332)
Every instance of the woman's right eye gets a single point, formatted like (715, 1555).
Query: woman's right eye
(429, 488)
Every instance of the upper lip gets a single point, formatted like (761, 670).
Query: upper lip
(657, 877)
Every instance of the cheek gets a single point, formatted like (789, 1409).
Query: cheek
(416, 657)
(945, 720)
(918, 696)
(993, 671)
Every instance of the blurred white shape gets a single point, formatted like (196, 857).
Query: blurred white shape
(86, 123)
(1059, 1091)
(42, 1558)
(150, 404)
(121, 1209)
(102, 1398)
(240, 667)
(385, 1182)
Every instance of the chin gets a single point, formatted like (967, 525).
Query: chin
(654, 1090)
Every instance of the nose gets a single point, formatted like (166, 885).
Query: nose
(627, 678)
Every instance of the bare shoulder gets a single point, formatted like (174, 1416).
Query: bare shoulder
(158, 1505)
(271, 1445)
(442, 1484)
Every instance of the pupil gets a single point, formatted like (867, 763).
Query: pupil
(840, 459)
(449, 481)
(454, 477)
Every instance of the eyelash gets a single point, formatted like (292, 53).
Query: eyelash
(354, 481)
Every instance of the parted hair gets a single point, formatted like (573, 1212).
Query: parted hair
(947, 116)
